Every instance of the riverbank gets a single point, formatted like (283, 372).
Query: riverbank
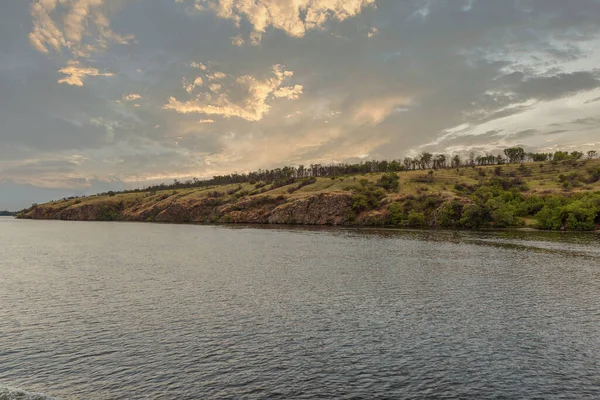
(552, 196)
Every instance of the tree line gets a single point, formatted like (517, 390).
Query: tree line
(289, 174)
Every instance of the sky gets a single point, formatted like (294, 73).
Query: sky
(100, 95)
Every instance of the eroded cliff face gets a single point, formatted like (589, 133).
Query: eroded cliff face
(320, 209)
(79, 212)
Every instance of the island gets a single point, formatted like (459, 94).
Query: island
(554, 191)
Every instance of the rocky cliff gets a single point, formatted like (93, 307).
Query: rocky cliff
(320, 209)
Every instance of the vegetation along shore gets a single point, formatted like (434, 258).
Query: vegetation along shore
(551, 191)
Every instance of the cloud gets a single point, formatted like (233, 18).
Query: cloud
(76, 73)
(189, 87)
(592, 100)
(131, 97)
(560, 85)
(375, 110)
(238, 40)
(501, 72)
(216, 76)
(198, 65)
(215, 87)
(81, 26)
(294, 17)
(247, 97)
(289, 92)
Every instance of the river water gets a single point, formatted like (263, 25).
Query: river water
(126, 310)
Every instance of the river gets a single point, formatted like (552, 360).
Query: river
(113, 310)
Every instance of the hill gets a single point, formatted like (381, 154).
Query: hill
(557, 195)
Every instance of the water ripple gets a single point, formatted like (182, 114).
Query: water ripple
(111, 311)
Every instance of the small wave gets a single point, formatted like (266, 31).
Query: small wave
(7, 393)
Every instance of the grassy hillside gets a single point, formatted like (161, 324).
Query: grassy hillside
(549, 195)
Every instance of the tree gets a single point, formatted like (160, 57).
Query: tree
(425, 160)
(592, 154)
(560, 156)
(538, 156)
(440, 161)
(577, 155)
(456, 161)
(515, 154)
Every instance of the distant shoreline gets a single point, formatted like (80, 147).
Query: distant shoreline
(562, 196)
(244, 225)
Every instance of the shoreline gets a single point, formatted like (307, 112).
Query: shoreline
(524, 196)
(242, 225)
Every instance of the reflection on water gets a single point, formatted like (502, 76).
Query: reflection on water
(125, 310)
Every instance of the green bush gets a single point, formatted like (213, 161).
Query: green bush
(389, 181)
(395, 214)
(108, 213)
(474, 216)
(360, 202)
(450, 214)
(415, 219)
(505, 217)
(366, 197)
(576, 214)
(580, 216)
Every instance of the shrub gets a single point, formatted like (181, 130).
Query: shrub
(594, 175)
(474, 216)
(108, 213)
(569, 180)
(360, 202)
(459, 187)
(366, 197)
(450, 214)
(395, 214)
(234, 190)
(505, 216)
(415, 219)
(531, 206)
(389, 181)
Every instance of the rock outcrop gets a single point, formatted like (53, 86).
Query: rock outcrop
(321, 209)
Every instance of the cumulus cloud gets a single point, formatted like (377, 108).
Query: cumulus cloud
(247, 97)
(216, 76)
(76, 73)
(198, 65)
(190, 86)
(238, 40)
(131, 97)
(289, 92)
(81, 26)
(294, 17)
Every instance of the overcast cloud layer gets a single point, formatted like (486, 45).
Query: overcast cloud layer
(101, 94)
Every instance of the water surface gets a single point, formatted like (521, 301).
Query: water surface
(127, 310)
